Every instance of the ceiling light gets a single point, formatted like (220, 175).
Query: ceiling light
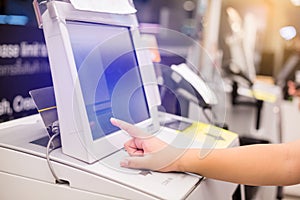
(288, 32)
(296, 2)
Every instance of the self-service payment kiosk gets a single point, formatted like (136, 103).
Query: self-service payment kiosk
(100, 70)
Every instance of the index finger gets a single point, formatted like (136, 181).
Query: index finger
(129, 128)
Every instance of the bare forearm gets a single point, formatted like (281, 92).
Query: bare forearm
(252, 165)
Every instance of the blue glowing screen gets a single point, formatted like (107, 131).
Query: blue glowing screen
(108, 75)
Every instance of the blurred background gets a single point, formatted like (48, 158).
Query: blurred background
(191, 17)
(256, 38)
(260, 38)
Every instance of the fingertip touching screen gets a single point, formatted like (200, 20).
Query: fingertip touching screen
(108, 74)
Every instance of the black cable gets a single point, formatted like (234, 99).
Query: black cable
(205, 114)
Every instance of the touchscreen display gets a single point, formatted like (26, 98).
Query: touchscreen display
(108, 75)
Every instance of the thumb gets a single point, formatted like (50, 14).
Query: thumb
(163, 160)
(136, 163)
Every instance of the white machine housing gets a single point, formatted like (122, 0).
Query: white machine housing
(23, 141)
(24, 169)
(75, 129)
